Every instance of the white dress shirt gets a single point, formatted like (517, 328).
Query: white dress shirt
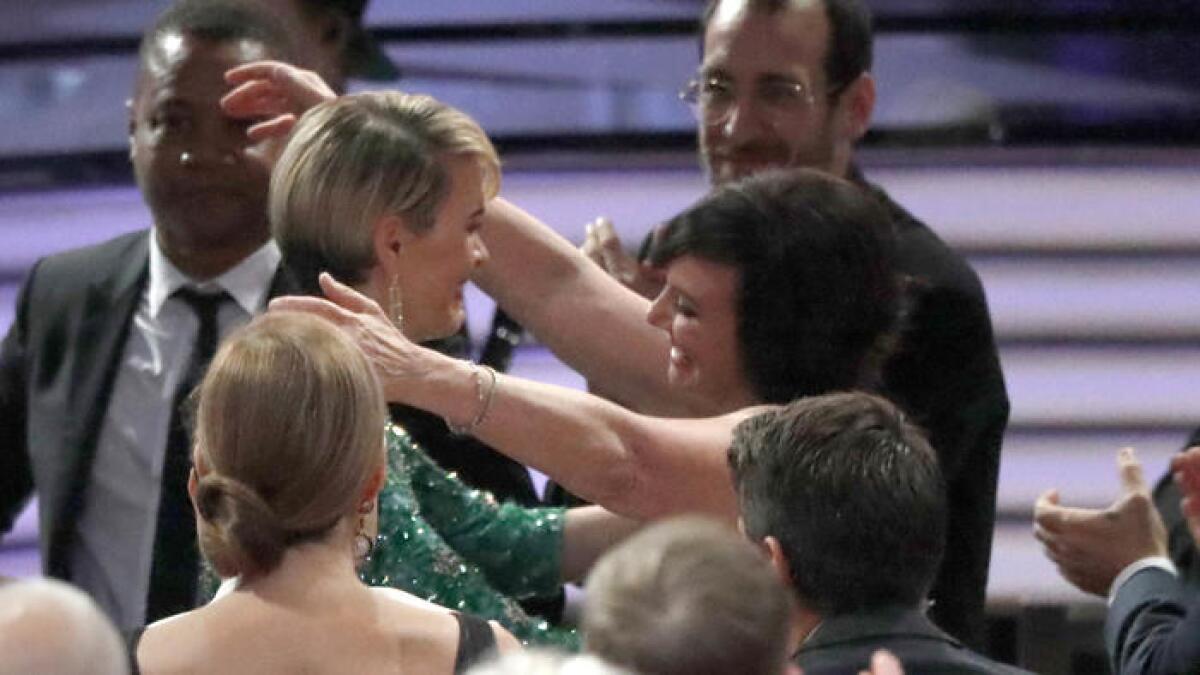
(115, 532)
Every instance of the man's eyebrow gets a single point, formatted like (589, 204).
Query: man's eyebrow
(782, 78)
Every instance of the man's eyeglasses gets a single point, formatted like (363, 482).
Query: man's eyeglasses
(713, 98)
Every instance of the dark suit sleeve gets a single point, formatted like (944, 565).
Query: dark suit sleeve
(16, 480)
(1153, 626)
(947, 376)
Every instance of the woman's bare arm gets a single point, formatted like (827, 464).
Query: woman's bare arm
(635, 465)
(587, 318)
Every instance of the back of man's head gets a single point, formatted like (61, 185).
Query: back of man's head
(687, 596)
(219, 21)
(47, 626)
(853, 494)
(851, 49)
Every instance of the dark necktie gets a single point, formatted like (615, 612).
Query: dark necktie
(175, 565)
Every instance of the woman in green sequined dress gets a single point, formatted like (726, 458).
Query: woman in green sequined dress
(387, 191)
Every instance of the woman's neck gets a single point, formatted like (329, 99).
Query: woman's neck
(305, 571)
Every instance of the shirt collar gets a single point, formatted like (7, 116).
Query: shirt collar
(247, 283)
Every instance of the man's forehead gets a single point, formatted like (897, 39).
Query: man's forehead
(174, 54)
(789, 41)
(729, 9)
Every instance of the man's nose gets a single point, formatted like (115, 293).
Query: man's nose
(745, 118)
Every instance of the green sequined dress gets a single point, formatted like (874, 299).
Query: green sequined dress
(458, 547)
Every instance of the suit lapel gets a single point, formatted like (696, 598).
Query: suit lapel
(107, 314)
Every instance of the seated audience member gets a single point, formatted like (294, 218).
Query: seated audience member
(847, 499)
(688, 597)
(546, 662)
(1153, 623)
(282, 495)
(47, 626)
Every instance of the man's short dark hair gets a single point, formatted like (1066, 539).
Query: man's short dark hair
(851, 42)
(819, 295)
(218, 21)
(854, 495)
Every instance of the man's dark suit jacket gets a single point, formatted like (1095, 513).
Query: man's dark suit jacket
(1153, 626)
(844, 645)
(58, 364)
(946, 376)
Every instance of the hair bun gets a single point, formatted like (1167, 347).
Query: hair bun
(239, 532)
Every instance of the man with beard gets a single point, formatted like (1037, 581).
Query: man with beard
(787, 83)
(109, 339)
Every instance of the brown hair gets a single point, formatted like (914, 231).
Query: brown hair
(687, 596)
(290, 426)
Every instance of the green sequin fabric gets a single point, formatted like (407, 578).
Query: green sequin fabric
(458, 547)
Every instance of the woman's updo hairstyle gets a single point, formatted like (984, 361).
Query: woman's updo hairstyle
(357, 158)
(290, 427)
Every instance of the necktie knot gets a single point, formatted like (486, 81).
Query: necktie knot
(204, 305)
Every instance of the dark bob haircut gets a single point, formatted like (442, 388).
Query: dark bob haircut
(819, 297)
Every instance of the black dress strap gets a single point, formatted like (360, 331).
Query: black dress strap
(132, 638)
(476, 641)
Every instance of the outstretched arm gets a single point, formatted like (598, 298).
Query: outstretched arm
(634, 465)
(586, 317)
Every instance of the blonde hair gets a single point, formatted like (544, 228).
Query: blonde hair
(687, 596)
(290, 426)
(355, 159)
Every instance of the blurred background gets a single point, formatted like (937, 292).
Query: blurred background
(1055, 142)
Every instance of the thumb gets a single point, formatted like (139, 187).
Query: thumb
(1049, 497)
(1130, 468)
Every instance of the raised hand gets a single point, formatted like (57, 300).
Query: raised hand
(275, 92)
(1092, 546)
(603, 246)
(395, 359)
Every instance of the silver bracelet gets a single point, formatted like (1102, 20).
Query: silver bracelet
(485, 396)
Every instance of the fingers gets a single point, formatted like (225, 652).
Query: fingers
(1132, 479)
(614, 254)
(1048, 498)
(257, 70)
(278, 127)
(297, 89)
(1047, 513)
(591, 244)
(1186, 469)
(347, 297)
(310, 305)
(884, 662)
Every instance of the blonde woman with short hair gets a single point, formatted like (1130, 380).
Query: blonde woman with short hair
(388, 190)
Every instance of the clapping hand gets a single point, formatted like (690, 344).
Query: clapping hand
(603, 246)
(1092, 546)
(1186, 469)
